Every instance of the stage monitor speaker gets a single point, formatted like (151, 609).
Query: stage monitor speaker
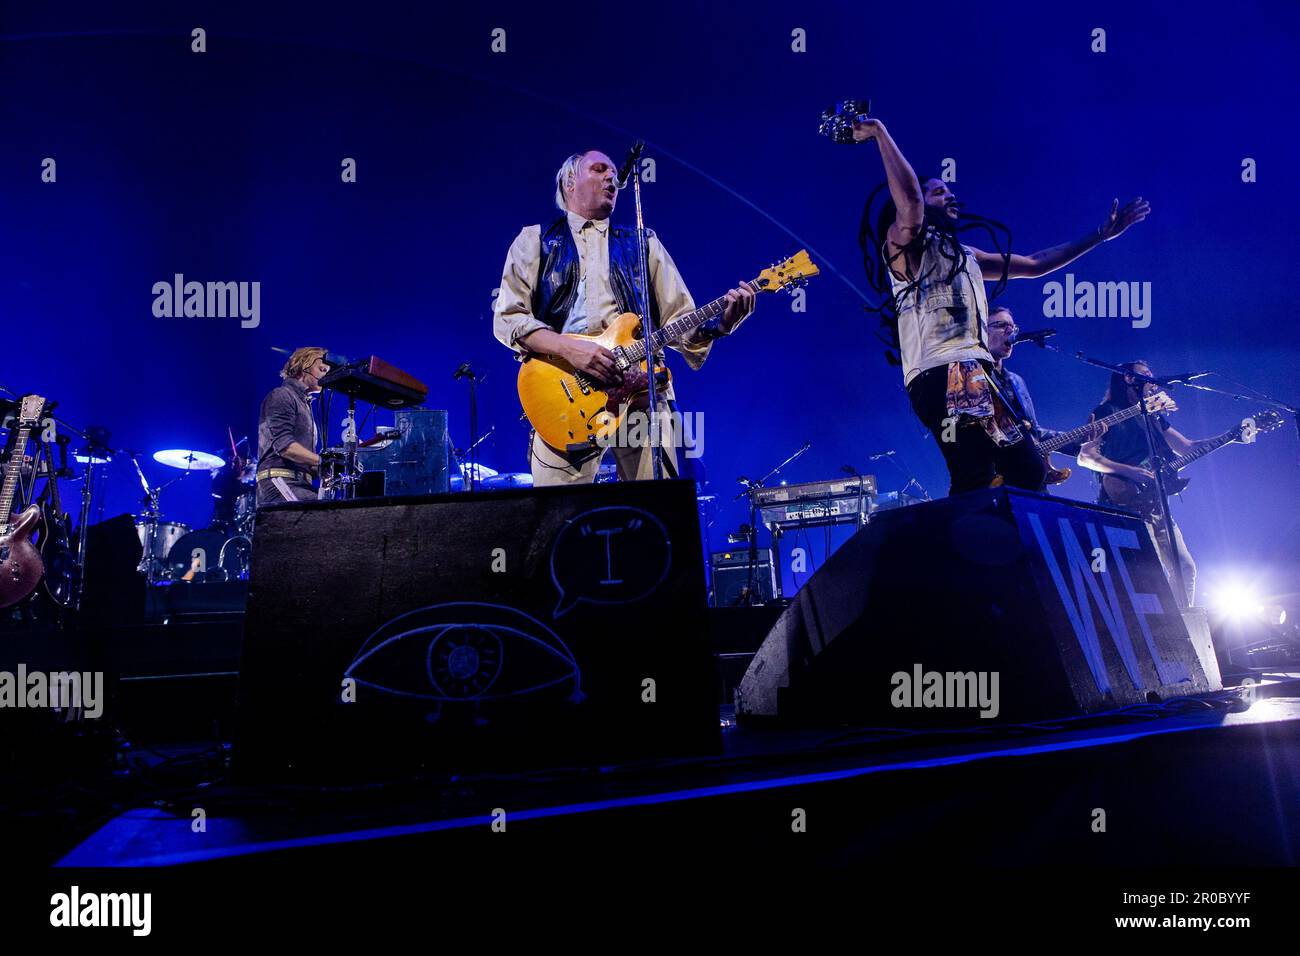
(491, 629)
(999, 604)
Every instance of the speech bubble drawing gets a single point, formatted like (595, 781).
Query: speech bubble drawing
(611, 555)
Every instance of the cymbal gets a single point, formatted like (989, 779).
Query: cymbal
(518, 479)
(480, 471)
(187, 460)
(90, 459)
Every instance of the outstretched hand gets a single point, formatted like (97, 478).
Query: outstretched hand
(1121, 219)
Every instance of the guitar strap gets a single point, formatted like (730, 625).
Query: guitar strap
(1005, 392)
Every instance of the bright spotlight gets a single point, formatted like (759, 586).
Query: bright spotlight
(1236, 601)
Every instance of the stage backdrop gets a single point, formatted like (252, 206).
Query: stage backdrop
(228, 165)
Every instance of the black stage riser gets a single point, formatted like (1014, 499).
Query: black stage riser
(999, 582)
(480, 629)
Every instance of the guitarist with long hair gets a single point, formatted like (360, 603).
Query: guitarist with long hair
(1121, 459)
(936, 312)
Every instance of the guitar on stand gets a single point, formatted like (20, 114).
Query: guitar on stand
(1143, 498)
(21, 567)
(62, 567)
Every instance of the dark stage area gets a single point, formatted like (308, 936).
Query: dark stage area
(1167, 775)
(953, 793)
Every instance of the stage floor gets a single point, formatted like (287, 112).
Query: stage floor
(1165, 781)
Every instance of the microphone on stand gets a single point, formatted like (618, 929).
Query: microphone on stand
(1037, 336)
(625, 171)
(334, 360)
(1168, 380)
(466, 372)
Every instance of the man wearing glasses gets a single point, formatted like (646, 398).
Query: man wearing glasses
(1002, 340)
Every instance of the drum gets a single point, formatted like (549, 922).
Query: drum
(230, 485)
(236, 557)
(157, 538)
(333, 468)
(520, 479)
(245, 512)
(197, 556)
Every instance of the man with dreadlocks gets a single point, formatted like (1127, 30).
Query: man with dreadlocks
(937, 313)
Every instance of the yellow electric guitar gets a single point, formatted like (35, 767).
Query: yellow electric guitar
(571, 410)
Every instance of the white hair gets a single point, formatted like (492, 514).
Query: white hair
(567, 175)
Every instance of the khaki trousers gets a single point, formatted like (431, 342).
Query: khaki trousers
(550, 466)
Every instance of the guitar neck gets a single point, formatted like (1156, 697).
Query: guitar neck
(679, 327)
(1078, 434)
(1213, 444)
(10, 485)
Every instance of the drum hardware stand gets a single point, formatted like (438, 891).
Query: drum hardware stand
(152, 498)
(459, 453)
(348, 480)
(751, 488)
(92, 449)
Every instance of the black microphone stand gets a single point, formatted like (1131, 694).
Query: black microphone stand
(648, 329)
(1157, 469)
(472, 450)
(752, 488)
(862, 493)
(1261, 398)
(895, 460)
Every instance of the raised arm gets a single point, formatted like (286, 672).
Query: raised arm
(1049, 260)
(904, 189)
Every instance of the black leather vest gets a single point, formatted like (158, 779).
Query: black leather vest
(558, 270)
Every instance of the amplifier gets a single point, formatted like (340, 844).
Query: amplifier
(416, 463)
(731, 577)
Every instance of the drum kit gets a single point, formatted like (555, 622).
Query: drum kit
(172, 552)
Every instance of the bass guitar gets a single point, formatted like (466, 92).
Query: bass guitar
(1158, 402)
(571, 410)
(1143, 496)
(21, 567)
